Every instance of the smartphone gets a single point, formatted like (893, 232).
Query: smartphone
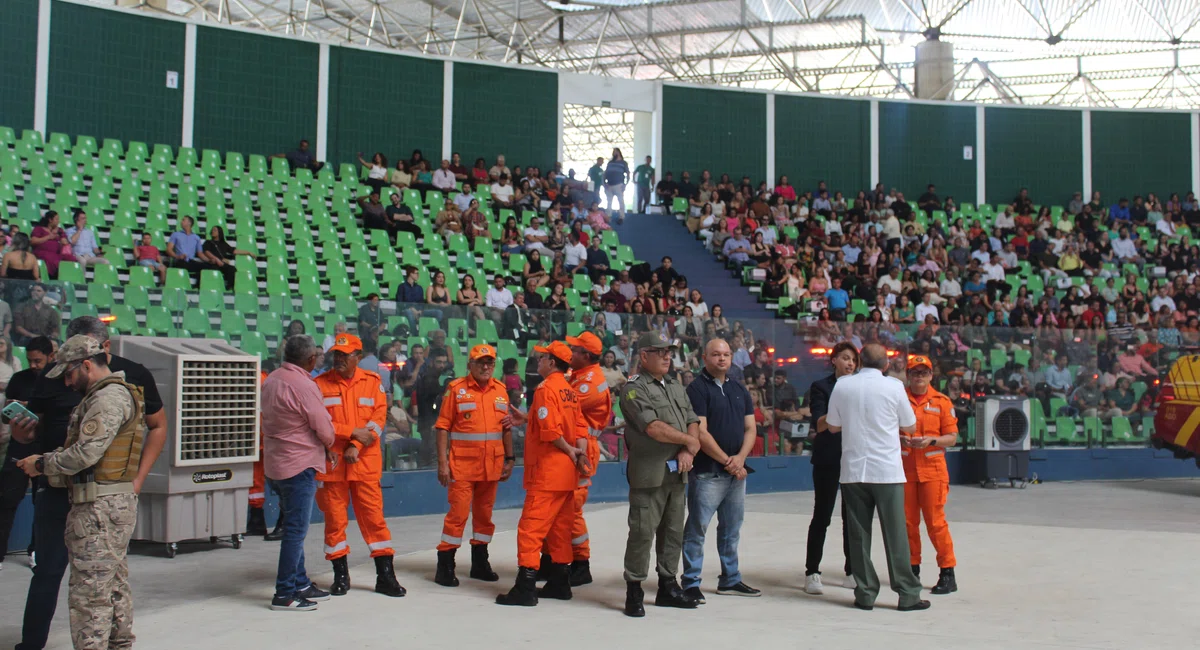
(672, 465)
(16, 410)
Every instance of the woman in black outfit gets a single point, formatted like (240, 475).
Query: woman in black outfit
(826, 462)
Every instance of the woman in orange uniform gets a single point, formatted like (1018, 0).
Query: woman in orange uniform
(924, 455)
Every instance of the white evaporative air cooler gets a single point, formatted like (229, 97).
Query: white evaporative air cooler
(199, 487)
(1002, 437)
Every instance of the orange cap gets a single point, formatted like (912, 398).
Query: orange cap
(346, 343)
(482, 351)
(919, 360)
(558, 349)
(587, 341)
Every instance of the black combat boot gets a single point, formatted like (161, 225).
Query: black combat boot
(524, 592)
(581, 573)
(543, 572)
(385, 578)
(670, 594)
(558, 585)
(633, 600)
(481, 569)
(445, 569)
(916, 568)
(256, 524)
(341, 578)
(276, 533)
(946, 583)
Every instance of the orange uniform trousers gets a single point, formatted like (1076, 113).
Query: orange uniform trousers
(258, 489)
(474, 498)
(928, 499)
(334, 498)
(546, 522)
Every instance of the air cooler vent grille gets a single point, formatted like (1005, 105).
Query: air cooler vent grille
(1011, 426)
(218, 414)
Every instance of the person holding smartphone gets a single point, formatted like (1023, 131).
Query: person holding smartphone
(13, 482)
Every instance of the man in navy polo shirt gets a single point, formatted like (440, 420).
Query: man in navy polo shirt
(718, 480)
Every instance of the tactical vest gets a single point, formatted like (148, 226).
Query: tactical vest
(119, 463)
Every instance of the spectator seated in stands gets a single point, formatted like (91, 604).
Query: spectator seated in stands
(666, 190)
(401, 177)
(374, 215)
(499, 169)
(50, 243)
(34, 318)
(148, 255)
(737, 249)
(499, 298)
(535, 236)
(377, 171)
(301, 158)
(443, 179)
(219, 255)
(517, 321)
(184, 247)
(397, 218)
(83, 241)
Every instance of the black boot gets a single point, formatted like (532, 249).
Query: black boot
(481, 569)
(633, 600)
(276, 534)
(916, 568)
(558, 585)
(524, 592)
(341, 578)
(385, 578)
(581, 573)
(670, 594)
(445, 569)
(256, 524)
(543, 572)
(946, 583)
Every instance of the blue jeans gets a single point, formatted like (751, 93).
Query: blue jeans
(724, 495)
(49, 542)
(295, 509)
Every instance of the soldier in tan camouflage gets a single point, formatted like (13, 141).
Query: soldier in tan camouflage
(98, 463)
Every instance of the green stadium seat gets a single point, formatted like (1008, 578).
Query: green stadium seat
(233, 322)
(1092, 432)
(195, 322)
(70, 272)
(137, 297)
(100, 295)
(211, 300)
(159, 321)
(126, 319)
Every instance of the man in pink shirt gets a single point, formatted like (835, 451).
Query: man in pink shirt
(297, 431)
(1135, 364)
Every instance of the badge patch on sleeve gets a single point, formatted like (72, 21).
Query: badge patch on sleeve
(90, 427)
(583, 388)
(632, 394)
(543, 413)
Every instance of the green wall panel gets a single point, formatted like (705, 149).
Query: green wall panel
(1140, 152)
(108, 75)
(255, 94)
(723, 131)
(921, 144)
(1040, 149)
(383, 102)
(840, 130)
(18, 63)
(505, 111)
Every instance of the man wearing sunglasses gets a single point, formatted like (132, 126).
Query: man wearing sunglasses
(928, 482)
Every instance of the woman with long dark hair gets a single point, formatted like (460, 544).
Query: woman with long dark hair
(616, 176)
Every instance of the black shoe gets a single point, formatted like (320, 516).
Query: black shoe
(276, 533)
(481, 569)
(558, 586)
(865, 608)
(695, 594)
(671, 595)
(946, 583)
(341, 577)
(915, 607)
(385, 578)
(524, 592)
(543, 572)
(256, 523)
(581, 573)
(633, 600)
(445, 569)
(313, 593)
(916, 569)
(740, 589)
(284, 604)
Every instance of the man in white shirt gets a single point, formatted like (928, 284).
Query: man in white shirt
(1008, 257)
(983, 254)
(869, 409)
(1163, 298)
(535, 237)
(574, 255)
(1124, 249)
(768, 234)
(463, 199)
(502, 192)
(83, 241)
(891, 228)
(498, 297)
(927, 308)
(891, 280)
(444, 179)
(950, 288)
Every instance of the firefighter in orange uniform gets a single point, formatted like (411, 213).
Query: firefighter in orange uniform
(924, 455)
(474, 454)
(595, 402)
(355, 399)
(555, 460)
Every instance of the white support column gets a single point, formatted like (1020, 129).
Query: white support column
(41, 86)
(658, 131)
(448, 109)
(1196, 152)
(189, 85)
(875, 180)
(562, 125)
(980, 155)
(323, 101)
(771, 140)
(1087, 154)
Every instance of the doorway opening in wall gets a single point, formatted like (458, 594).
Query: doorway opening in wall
(591, 132)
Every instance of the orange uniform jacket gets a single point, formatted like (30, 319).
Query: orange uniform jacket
(595, 402)
(472, 417)
(554, 413)
(355, 403)
(935, 417)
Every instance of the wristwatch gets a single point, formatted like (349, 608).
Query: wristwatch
(510, 459)
(40, 465)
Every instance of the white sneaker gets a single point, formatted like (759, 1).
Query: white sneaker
(850, 583)
(812, 585)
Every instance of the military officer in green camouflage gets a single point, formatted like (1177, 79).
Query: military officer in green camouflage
(98, 463)
(662, 434)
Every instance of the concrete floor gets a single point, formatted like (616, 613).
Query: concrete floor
(1082, 565)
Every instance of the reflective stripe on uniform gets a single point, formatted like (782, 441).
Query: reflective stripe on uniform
(341, 546)
(475, 437)
(935, 452)
(366, 401)
(457, 541)
(257, 495)
(387, 543)
(502, 407)
(583, 482)
(481, 538)
(371, 426)
(332, 401)
(904, 452)
(468, 406)
(602, 387)
(579, 540)
(595, 433)
(320, 484)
